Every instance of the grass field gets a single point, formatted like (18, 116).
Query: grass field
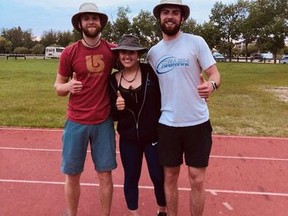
(252, 99)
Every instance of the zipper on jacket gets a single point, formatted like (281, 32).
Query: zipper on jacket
(144, 98)
(138, 117)
(141, 108)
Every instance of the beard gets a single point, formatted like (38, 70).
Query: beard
(90, 33)
(170, 31)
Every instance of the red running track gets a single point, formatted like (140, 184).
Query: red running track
(247, 176)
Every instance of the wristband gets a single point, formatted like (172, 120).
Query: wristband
(214, 85)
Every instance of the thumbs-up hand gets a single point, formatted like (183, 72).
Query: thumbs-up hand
(203, 88)
(74, 86)
(120, 102)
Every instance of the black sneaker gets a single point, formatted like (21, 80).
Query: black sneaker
(162, 214)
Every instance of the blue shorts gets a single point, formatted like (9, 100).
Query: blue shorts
(75, 142)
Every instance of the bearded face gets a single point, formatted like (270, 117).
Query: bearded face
(90, 25)
(91, 32)
(170, 19)
(170, 27)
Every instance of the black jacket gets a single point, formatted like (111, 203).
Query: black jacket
(141, 128)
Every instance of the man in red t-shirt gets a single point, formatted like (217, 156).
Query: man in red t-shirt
(83, 73)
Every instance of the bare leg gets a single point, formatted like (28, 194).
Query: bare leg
(72, 193)
(106, 191)
(171, 175)
(197, 195)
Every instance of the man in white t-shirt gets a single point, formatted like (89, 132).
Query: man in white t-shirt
(184, 126)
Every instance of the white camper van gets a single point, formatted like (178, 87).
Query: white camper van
(267, 56)
(53, 52)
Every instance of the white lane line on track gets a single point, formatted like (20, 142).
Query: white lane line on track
(216, 191)
(212, 191)
(248, 158)
(228, 206)
(214, 135)
(36, 149)
(212, 156)
(30, 149)
(31, 129)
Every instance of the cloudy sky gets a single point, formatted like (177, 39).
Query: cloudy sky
(45, 15)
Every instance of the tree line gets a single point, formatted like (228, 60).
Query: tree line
(261, 26)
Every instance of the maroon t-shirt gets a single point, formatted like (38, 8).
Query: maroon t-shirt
(93, 67)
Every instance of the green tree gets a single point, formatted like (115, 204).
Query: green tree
(246, 26)
(271, 24)
(264, 22)
(48, 38)
(145, 27)
(190, 26)
(21, 50)
(227, 18)
(18, 37)
(28, 39)
(64, 38)
(75, 36)
(38, 49)
(107, 32)
(5, 45)
(211, 34)
(122, 25)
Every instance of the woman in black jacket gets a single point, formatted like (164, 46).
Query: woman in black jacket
(135, 102)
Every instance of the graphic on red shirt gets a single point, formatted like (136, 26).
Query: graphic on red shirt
(95, 65)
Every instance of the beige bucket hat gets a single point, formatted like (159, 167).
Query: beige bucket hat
(185, 8)
(88, 8)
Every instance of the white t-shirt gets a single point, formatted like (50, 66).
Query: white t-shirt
(178, 64)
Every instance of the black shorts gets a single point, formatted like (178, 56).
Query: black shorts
(194, 142)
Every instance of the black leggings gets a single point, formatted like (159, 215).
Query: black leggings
(132, 156)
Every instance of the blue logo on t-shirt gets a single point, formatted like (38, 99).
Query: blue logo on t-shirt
(168, 63)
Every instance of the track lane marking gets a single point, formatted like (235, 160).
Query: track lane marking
(211, 156)
(212, 191)
(248, 158)
(213, 135)
(228, 206)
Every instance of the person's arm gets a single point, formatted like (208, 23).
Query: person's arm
(63, 86)
(213, 75)
(207, 87)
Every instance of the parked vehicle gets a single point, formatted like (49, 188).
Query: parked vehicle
(267, 56)
(257, 56)
(284, 60)
(218, 56)
(53, 52)
(262, 56)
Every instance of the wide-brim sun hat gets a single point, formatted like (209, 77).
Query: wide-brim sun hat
(88, 8)
(131, 43)
(185, 8)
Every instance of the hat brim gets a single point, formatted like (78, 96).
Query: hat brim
(129, 48)
(185, 8)
(75, 19)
